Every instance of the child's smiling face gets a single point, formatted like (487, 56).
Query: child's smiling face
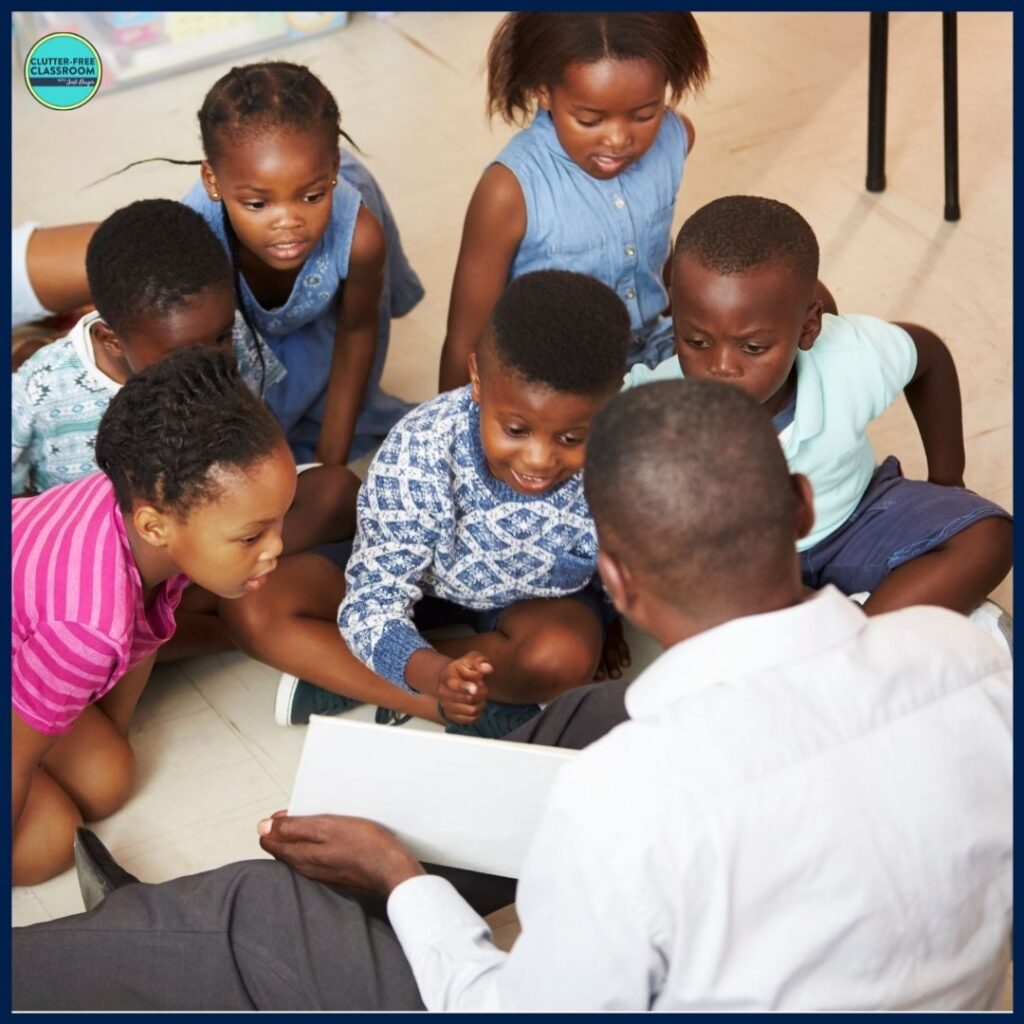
(607, 114)
(230, 544)
(277, 187)
(534, 438)
(744, 328)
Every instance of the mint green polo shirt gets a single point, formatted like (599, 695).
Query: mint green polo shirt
(855, 371)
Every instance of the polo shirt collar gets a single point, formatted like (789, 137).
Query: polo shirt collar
(745, 647)
(809, 419)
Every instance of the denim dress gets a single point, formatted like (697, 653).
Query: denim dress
(301, 332)
(616, 230)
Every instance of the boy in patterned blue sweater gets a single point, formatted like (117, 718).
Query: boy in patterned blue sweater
(473, 512)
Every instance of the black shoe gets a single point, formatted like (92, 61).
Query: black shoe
(386, 716)
(98, 873)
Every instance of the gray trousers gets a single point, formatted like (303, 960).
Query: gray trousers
(257, 935)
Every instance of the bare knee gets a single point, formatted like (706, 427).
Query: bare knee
(988, 545)
(326, 503)
(43, 842)
(557, 658)
(248, 619)
(110, 781)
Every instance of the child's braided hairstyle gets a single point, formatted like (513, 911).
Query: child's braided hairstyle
(173, 422)
(246, 102)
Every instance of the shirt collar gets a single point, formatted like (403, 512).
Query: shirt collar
(810, 407)
(545, 129)
(744, 647)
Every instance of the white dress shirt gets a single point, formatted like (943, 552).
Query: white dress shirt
(809, 809)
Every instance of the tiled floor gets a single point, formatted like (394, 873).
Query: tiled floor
(784, 116)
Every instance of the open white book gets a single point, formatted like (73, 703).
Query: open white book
(454, 800)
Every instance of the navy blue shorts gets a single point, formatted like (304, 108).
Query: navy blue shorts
(435, 612)
(896, 520)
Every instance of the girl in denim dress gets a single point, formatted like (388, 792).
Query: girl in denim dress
(319, 266)
(591, 184)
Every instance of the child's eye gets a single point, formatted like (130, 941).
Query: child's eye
(515, 431)
(253, 204)
(314, 197)
(587, 124)
(572, 440)
(253, 539)
(754, 350)
(644, 117)
(696, 343)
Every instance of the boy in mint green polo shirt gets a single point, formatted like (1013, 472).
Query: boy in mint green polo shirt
(745, 312)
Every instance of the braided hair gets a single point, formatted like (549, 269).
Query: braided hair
(245, 103)
(248, 101)
(173, 422)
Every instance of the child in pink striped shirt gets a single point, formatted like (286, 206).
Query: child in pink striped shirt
(196, 480)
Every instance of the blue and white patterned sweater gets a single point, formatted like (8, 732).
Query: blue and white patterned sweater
(433, 520)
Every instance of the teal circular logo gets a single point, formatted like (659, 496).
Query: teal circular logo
(63, 71)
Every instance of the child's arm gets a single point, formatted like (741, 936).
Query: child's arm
(355, 340)
(494, 227)
(933, 395)
(55, 261)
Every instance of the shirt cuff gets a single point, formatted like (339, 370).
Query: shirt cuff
(393, 651)
(423, 907)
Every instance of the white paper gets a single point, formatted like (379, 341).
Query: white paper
(459, 801)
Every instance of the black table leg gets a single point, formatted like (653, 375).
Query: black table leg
(949, 110)
(878, 61)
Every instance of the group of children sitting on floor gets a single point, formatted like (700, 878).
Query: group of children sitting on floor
(244, 331)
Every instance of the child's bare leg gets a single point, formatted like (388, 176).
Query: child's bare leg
(291, 624)
(324, 509)
(86, 775)
(199, 629)
(958, 574)
(43, 842)
(540, 648)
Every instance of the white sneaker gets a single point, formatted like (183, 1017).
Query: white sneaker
(996, 621)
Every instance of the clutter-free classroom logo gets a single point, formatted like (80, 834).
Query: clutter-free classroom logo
(63, 71)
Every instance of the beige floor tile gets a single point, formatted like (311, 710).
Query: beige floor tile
(26, 908)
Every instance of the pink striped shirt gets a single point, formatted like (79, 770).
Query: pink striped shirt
(78, 618)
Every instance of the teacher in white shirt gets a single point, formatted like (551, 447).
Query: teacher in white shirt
(807, 810)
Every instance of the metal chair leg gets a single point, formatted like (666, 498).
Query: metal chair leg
(949, 110)
(877, 68)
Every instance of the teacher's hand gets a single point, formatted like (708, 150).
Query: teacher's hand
(339, 850)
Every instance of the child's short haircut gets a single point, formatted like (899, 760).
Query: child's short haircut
(150, 259)
(734, 234)
(532, 49)
(562, 330)
(689, 476)
(174, 421)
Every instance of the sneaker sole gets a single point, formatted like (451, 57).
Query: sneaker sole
(283, 701)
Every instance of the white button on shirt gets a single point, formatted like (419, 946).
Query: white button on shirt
(809, 809)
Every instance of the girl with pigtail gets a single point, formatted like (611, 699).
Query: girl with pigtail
(319, 267)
